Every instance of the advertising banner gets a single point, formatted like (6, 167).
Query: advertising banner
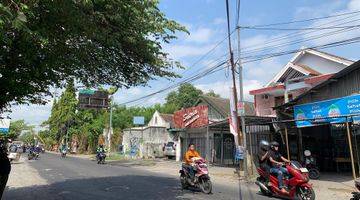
(330, 111)
(191, 117)
(4, 126)
(139, 120)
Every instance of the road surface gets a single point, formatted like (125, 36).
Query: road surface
(80, 179)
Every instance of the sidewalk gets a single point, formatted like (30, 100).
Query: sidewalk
(23, 175)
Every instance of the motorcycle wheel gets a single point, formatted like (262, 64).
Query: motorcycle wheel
(314, 174)
(304, 193)
(205, 186)
(183, 181)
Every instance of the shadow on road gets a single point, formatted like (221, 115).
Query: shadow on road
(121, 187)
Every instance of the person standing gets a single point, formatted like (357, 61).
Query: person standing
(5, 167)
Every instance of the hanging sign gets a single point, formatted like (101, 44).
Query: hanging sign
(330, 111)
(4, 126)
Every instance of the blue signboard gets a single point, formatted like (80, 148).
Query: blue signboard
(330, 111)
(139, 120)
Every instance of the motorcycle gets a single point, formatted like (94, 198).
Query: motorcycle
(13, 156)
(310, 164)
(63, 153)
(296, 182)
(201, 179)
(100, 157)
(356, 195)
(33, 155)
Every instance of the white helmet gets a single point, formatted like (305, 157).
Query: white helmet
(307, 153)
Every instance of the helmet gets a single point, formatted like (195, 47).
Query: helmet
(307, 153)
(264, 145)
(274, 144)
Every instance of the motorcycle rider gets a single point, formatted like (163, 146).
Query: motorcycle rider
(263, 157)
(99, 150)
(189, 160)
(5, 166)
(277, 162)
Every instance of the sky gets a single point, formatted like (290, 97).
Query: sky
(206, 22)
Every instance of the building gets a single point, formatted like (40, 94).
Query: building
(320, 121)
(206, 125)
(148, 141)
(307, 69)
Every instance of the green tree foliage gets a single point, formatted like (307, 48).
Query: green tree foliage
(18, 127)
(114, 42)
(28, 137)
(211, 93)
(63, 112)
(186, 96)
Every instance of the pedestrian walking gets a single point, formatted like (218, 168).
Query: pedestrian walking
(5, 167)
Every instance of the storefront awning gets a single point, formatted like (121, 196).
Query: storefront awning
(338, 110)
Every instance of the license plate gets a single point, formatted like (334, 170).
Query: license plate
(304, 170)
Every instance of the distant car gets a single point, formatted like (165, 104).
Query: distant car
(170, 150)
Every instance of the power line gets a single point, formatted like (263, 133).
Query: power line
(297, 29)
(313, 37)
(296, 33)
(248, 59)
(305, 20)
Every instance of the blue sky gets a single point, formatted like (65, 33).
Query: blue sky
(206, 21)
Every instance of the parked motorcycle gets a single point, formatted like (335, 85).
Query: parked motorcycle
(310, 164)
(13, 156)
(356, 195)
(201, 180)
(296, 183)
(100, 157)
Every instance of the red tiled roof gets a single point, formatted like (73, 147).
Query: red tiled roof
(317, 79)
(266, 89)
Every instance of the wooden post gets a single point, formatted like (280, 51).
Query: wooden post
(300, 147)
(287, 143)
(351, 150)
(207, 146)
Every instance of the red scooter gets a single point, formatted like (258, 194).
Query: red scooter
(296, 183)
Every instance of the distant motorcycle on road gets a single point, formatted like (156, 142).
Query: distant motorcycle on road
(63, 153)
(100, 158)
(201, 180)
(33, 155)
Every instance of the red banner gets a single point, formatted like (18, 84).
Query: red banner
(191, 117)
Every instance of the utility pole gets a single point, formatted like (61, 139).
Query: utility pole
(110, 124)
(241, 90)
(233, 73)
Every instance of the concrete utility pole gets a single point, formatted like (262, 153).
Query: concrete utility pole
(110, 125)
(233, 72)
(241, 90)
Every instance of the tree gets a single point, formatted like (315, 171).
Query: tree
(186, 96)
(114, 42)
(211, 93)
(63, 112)
(16, 128)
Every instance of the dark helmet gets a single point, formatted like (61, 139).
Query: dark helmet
(264, 145)
(274, 144)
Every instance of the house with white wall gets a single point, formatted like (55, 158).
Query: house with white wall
(305, 70)
(148, 141)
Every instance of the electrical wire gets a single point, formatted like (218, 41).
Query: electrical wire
(297, 29)
(270, 42)
(306, 20)
(248, 59)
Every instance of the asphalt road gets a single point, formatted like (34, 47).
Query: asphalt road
(80, 179)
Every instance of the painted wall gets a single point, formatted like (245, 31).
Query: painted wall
(320, 64)
(146, 143)
(263, 107)
(158, 121)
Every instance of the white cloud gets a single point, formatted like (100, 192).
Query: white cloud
(354, 5)
(219, 21)
(32, 114)
(200, 35)
(223, 88)
(182, 51)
